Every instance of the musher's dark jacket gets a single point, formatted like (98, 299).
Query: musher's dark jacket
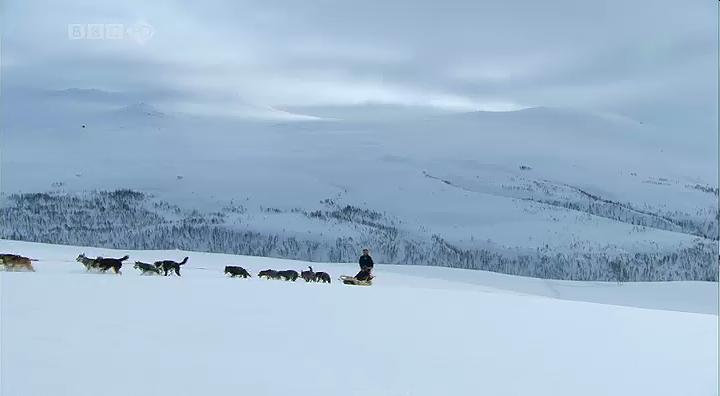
(366, 261)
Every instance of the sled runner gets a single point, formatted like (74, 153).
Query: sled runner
(350, 280)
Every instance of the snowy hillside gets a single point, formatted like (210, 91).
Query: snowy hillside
(417, 331)
(539, 192)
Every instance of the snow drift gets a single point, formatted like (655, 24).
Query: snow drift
(417, 331)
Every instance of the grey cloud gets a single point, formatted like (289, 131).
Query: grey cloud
(637, 58)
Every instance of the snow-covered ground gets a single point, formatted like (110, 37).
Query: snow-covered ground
(417, 331)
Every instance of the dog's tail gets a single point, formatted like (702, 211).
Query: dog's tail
(33, 259)
(311, 270)
(184, 261)
(123, 258)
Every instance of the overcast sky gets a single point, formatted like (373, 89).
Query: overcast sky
(653, 60)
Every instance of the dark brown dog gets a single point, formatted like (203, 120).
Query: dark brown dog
(308, 276)
(323, 277)
(104, 264)
(236, 271)
(289, 275)
(169, 265)
(268, 274)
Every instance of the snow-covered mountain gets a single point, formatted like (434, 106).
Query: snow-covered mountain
(416, 331)
(543, 192)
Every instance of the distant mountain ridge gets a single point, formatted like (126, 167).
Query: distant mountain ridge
(532, 191)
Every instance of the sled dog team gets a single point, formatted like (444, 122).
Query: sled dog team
(291, 275)
(102, 264)
(166, 267)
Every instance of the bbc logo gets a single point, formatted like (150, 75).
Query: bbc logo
(76, 31)
(140, 32)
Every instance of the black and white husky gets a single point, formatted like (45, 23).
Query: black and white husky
(146, 269)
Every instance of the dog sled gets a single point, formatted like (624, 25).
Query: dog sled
(351, 280)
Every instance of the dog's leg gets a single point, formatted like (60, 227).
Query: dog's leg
(177, 270)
